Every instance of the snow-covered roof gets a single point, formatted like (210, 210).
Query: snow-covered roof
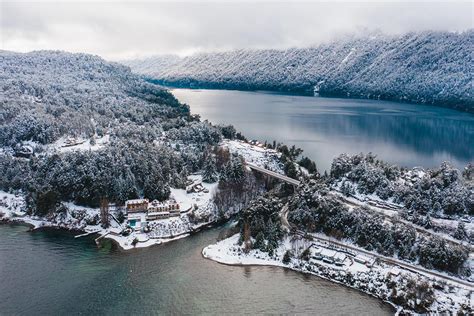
(158, 213)
(164, 203)
(395, 270)
(328, 253)
(135, 216)
(136, 201)
(339, 256)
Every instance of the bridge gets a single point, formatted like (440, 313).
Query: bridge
(273, 174)
(392, 261)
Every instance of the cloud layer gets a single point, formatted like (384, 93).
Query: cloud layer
(128, 29)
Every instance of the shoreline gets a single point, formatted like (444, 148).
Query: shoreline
(172, 85)
(281, 265)
(83, 220)
(396, 308)
(379, 280)
(106, 235)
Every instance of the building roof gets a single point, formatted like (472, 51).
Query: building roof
(328, 252)
(157, 213)
(135, 216)
(136, 201)
(340, 256)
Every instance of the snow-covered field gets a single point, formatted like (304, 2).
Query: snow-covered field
(259, 156)
(82, 144)
(377, 280)
(201, 199)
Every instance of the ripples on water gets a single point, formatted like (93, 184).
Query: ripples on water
(49, 272)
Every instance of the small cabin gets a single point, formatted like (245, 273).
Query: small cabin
(339, 257)
(395, 271)
(24, 151)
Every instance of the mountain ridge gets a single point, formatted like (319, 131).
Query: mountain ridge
(428, 68)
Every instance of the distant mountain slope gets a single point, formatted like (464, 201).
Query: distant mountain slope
(429, 67)
(45, 95)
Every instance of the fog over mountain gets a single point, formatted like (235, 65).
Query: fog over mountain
(131, 29)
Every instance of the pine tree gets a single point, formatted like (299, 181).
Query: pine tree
(226, 174)
(238, 173)
(287, 257)
(259, 242)
(346, 188)
(460, 232)
(306, 254)
(290, 169)
(209, 174)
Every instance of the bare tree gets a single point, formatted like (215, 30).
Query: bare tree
(104, 212)
(247, 241)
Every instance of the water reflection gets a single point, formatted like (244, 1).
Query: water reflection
(51, 273)
(405, 134)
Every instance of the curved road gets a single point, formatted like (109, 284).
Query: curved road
(407, 266)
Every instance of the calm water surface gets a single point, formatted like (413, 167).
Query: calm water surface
(51, 273)
(404, 134)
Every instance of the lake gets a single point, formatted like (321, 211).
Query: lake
(404, 134)
(51, 273)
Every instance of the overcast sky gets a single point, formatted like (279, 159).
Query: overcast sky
(129, 29)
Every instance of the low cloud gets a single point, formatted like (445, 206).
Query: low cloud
(119, 30)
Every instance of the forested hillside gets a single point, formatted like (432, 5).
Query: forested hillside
(48, 97)
(430, 67)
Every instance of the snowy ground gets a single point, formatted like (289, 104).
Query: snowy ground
(261, 157)
(85, 219)
(372, 280)
(61, 145)
(83, 144)
(201, 199)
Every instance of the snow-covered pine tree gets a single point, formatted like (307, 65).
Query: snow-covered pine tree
(209, 173)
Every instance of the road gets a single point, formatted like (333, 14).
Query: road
(284, 217)
(386, 212)
(407, 266)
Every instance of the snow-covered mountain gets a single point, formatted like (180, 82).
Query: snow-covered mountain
(429, 67)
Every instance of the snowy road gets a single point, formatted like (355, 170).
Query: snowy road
(392, 261)
(392, 217)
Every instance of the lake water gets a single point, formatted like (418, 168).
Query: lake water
(51, 273)
(404, 134)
